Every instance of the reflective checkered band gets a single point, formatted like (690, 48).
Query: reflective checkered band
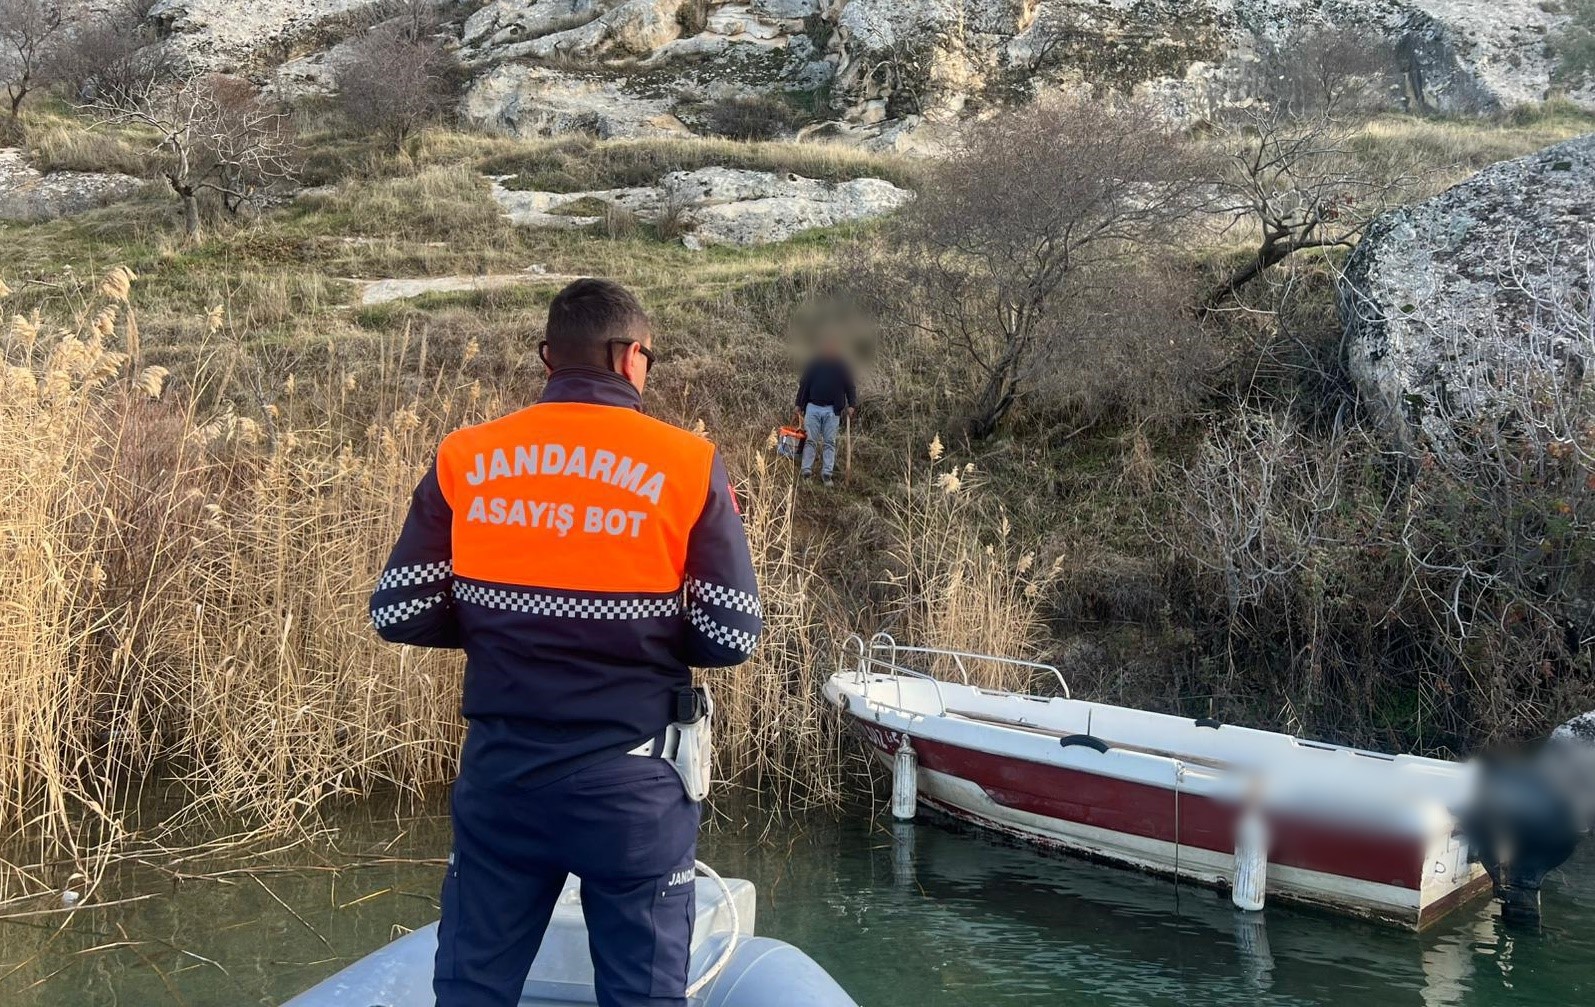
(725, 636)
(566, 606)
(724, 597)
(388, 615)
(421, 573)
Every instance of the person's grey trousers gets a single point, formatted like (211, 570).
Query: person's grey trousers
(821, 424)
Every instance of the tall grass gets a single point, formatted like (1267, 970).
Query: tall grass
(959, 579)
(185, 595)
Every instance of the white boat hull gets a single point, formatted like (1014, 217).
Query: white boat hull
(1010, 764)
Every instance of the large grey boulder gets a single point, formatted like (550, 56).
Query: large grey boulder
(731, 206)
(30, 196)
(717, 206)
(1463, 313)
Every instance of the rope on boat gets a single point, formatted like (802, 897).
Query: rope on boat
(714, 970)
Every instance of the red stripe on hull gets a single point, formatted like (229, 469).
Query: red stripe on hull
(1148, 811)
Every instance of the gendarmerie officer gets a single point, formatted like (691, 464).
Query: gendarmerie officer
(584, 556)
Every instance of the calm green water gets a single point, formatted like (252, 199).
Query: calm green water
(919, 916)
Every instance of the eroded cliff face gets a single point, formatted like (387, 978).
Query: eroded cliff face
(888, 71)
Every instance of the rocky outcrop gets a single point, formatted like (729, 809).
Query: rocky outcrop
(715, 206)
(533, 101)
(569, 29)
(1457, 309)
(29, 196)
(889, 64)
(880, 70)
(229, 36)
(625, 70)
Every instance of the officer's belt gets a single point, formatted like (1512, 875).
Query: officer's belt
(662, 747)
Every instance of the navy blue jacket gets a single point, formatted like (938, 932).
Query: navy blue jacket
(827, 381)
(585, 557)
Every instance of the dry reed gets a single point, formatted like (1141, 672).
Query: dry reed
(185, 599)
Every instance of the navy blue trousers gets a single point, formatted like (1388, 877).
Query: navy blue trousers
(626, 828)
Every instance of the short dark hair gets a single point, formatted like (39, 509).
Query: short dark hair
(587, 317)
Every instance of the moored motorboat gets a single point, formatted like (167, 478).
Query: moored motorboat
(1396, 838)
(730, 967)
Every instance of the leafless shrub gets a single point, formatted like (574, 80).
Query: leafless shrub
(32, 33)
(619, 222)
(1014, 226)
(399, 75)
(671, 223)
(1519, 464)
(1295, 186)
(1446, 601)
(113, 57)
(1329, 70)
(217, 136)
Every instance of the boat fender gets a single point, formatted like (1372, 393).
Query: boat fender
(905, 782)
(1084, 741)
(1209, 722)
(1251, 861)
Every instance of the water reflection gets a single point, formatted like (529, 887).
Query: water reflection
(924, 914)
(917, 915)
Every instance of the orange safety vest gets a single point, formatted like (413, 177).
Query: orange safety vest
(573, 496)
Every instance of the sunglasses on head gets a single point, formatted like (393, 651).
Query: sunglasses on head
(647, 354)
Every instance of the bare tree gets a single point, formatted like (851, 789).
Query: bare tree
(1328, 70)
(215, 135)
(1027, 214)
(31, 32)
(114, 57)
(1299, 186)
(399, 74)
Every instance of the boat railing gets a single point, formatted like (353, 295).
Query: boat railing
(867, 663)
(867, 660)
(885, 641)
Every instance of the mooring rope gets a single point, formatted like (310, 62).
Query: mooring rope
(736, 930)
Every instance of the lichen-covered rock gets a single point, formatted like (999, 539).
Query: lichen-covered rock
(529, 208)
(230, 36)
(743, 208)
(590, 30)
(29, 196)
(716, 206)
(533, 101)
(1450, 304)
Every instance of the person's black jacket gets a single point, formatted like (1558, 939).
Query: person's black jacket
(827, 382)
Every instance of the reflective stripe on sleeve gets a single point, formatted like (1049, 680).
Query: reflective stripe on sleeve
(390, 615)
(720, 633)
(409, 576)
(725, 597)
